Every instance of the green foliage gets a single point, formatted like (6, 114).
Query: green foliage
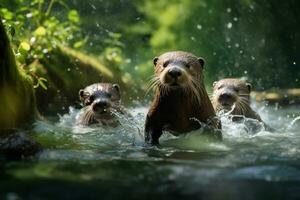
(36, 30)
(237, 39)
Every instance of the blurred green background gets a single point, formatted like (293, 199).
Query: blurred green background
(255, 39)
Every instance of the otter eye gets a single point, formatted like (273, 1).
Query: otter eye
(91, 99)
(166, 64)
(236, 89)
(220, 87)
(187, 65)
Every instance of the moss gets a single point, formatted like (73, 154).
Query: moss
(17, 98)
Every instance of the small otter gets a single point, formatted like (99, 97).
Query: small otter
(233, 95)
(99, 100)
(180, 100)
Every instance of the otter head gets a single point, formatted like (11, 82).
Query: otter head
(178, 69)
(100, 98)
(229, 92)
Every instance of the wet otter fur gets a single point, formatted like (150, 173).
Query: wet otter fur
(100, 101)
(180, 100)
(233, 95)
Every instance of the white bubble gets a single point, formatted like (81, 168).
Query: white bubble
(229, 10)
(235, 19)
(229, 25)
(252, 57)
(294, 63)
(193, 38)
(237, 45)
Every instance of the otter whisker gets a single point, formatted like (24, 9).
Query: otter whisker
(153, 83)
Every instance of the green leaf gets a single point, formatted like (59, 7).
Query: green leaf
(24, 47)
(42, 84)
(40, 31)
(79, 43)
(73, 16)
(7, 14)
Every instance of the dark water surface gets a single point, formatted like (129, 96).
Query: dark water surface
(111, 163)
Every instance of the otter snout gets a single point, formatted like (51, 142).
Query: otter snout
(174, 73)
(100, 105)
(174, 76)
(227, 98)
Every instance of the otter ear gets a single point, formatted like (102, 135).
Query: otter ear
(201, 61)
(117, 87)
(82, 95)
(215, 83)
(155, 60)
(249, 86)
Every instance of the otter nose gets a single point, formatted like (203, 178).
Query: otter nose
(226, 96)
(100, 104)
(174, 73)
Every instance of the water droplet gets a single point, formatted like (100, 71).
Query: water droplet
(235, 19)
(93, 6)
(229, 25)
(215, 53)
(69, 69)
(294, 63)
(228, 39)
(229, 10)
(199, 27)
(252, 57)
(138, 18)
(245, 72)
(237, 45)
(193, 38)
(241, 51)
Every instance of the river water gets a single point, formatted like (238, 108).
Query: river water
(111, 163)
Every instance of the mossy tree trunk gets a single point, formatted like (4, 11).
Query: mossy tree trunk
(17, 99)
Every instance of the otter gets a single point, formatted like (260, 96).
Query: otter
(233, 95)
(180, 100)
(100, 101)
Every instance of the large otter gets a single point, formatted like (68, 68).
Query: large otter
(180, 101)
(100, 100)
(233, 95)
